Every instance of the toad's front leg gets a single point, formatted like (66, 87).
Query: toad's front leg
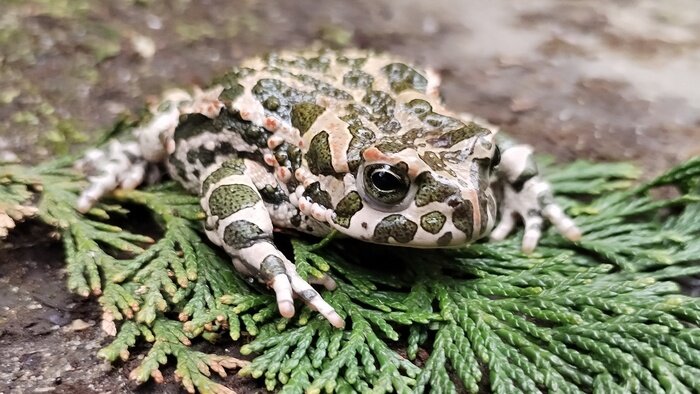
(528, 196)
(238, 221)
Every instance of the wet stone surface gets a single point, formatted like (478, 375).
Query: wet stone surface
(601, 80)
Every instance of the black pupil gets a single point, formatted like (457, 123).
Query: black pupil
(386, 181)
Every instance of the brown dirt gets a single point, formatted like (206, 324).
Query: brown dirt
(603, 80)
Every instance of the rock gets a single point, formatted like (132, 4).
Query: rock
(78, 325)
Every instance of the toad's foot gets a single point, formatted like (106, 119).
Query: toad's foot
(281, 275)
(124, 164)
(121, 165)
(528, 196)
(532, 203)
(238, 220)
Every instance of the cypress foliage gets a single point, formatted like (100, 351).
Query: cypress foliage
(602, 316)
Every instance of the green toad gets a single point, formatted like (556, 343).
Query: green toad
(354, 141)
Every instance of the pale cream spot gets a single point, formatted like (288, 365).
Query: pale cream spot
(249, 108)
(514, 160)
(433, 86)
(304, 205)
(283, 174)
(271, 123)
(318, 212)
(170, 146)
(304, 176)
(274, 141)
(269, 159)
(339, 141)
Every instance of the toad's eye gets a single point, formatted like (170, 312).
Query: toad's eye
(496, 157)
(386, 181)
(386, 184)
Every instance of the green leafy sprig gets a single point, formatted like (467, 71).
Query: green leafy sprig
(602, 315)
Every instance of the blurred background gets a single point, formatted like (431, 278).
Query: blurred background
(607, 80)
(602, 79)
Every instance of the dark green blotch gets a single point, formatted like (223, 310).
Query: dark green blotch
(445, 239)
(232, 77)
(317, 63)
(318, 195)
(458, 131)
(281, 156)
(295, 96)
(225, 148)
(419, 108)
(273, 195)
(395, 226)
(325, 89)
(230, 167)
(242, 234)
(432, 222)
(295, 220)
(483, 212)
(322, 88)
(381, 104)
(529, 171)
(230, 94)
(271, 266)
(179, 165)
(480, 173)
(395, 144)
(387, 145)
(271, 103)
(355, 110)
(226, 200)
(319, 155)
(202, 155)
(432, 190)
(402, 77)
(284, 97)
(463, 218)
(229, 82)
(453, 137)
(304, 115)
(236, 164)
(438, 121)
(346, 208)
(308, 295)
(231, 121)
(435, 162)
(192, 125)
(288, 155)
(357, 79)
(352, 62)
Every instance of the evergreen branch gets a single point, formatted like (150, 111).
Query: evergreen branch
(599, 315)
